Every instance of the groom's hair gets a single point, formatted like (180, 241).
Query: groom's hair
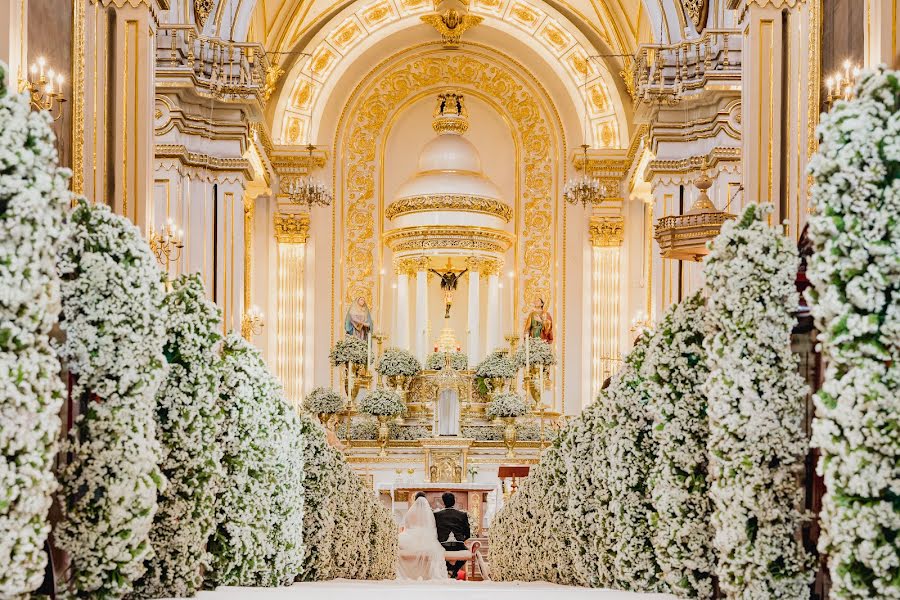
(420, 495)
(449, 499)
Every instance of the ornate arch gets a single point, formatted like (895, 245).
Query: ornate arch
(526, 105)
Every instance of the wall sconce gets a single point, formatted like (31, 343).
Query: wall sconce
(45, 88)
(252, 323)
(842, 85)
(640, 323)
(167, 244)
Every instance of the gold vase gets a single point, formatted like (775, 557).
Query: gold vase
(509, 436)
(384, 433)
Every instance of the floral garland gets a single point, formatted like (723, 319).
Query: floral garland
(538, 352)
(33, 198)
(675, 371)
(396, 362)
(855, 300)
(257, 538)
(114, 320)
(506, 405)
(459, 361)
(756, 410)
(188, 419)
(323, 400)
(631, 453)
(382, 402)
(497, 365)
(350, 350)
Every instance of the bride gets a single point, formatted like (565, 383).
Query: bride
(420, 554)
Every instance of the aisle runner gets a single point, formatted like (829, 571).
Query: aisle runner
(393, 590)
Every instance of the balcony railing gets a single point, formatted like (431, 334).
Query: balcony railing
(223, 69)
(664, 73)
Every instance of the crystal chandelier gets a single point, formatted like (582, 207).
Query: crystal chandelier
(309, 190)
(585, 189)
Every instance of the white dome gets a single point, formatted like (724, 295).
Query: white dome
(449, 172)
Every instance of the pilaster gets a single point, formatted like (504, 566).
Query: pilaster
(606, 235)
(882, 20)
(780, 99)
(291, 235)
(14, 40)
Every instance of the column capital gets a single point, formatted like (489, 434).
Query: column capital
(606, 232)
(405, 266)
(291, 228)
(421, 263)
(491, 266)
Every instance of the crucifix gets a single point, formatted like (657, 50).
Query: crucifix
(449, 281)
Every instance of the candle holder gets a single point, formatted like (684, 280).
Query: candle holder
(252, 323)
(45, 88)
(167, 243)
(842, 84)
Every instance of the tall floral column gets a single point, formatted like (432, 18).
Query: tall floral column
(291, 234)
(855, 300)
(606, 234)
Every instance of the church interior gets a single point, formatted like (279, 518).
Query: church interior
(438, 244)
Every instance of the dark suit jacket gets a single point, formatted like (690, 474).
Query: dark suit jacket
(452, 520)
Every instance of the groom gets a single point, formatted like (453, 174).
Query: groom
(451, 521)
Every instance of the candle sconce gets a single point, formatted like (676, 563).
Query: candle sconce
(45, 88)
(842, 85)
(167, 244)
(252, 323)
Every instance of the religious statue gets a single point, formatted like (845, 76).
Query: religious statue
(539, 323)
(449, 281)
(358, 321)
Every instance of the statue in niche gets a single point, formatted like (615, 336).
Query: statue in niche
(358, 321)
(449, 281)
(539, 323)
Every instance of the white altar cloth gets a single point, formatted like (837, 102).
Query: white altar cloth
(448, 413)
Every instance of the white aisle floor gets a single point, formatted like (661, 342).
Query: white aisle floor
(395, 590)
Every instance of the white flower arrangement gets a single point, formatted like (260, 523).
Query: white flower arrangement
(323, 400)
(33, 198)
(855, 300)
(347, 531)
(396, 362)
(350, 350)
(382, 402)
(258, 536)
(459, 361)
(115, 324)
(675, 372)
(506, 405)
(538, 352)
(188, 420)
(756, 411)
(497, 365)
(631, 453)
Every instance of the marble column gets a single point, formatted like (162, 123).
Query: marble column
(493, 337)
(881, 32)
(291, 234)
(781, 57)
(473, 332)
(422, 309)
(607, 234)
(402, 321)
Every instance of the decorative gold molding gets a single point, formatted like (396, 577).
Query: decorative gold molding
(434, 237)
(291, 228)
(78, 97)
(607, 232)
(405, 266)
(204, 161)
(694, 163)
(451, 25)
(463, 203)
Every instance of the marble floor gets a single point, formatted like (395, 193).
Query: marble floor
(395, 590)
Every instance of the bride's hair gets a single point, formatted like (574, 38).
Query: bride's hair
(419, 515)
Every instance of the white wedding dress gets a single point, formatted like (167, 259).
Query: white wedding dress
(420, 555)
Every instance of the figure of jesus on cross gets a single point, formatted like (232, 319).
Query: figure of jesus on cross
(449, 281)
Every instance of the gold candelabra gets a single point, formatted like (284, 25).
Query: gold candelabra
(252, 323)
(842, 84)
(167, 243)
(45, 87)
